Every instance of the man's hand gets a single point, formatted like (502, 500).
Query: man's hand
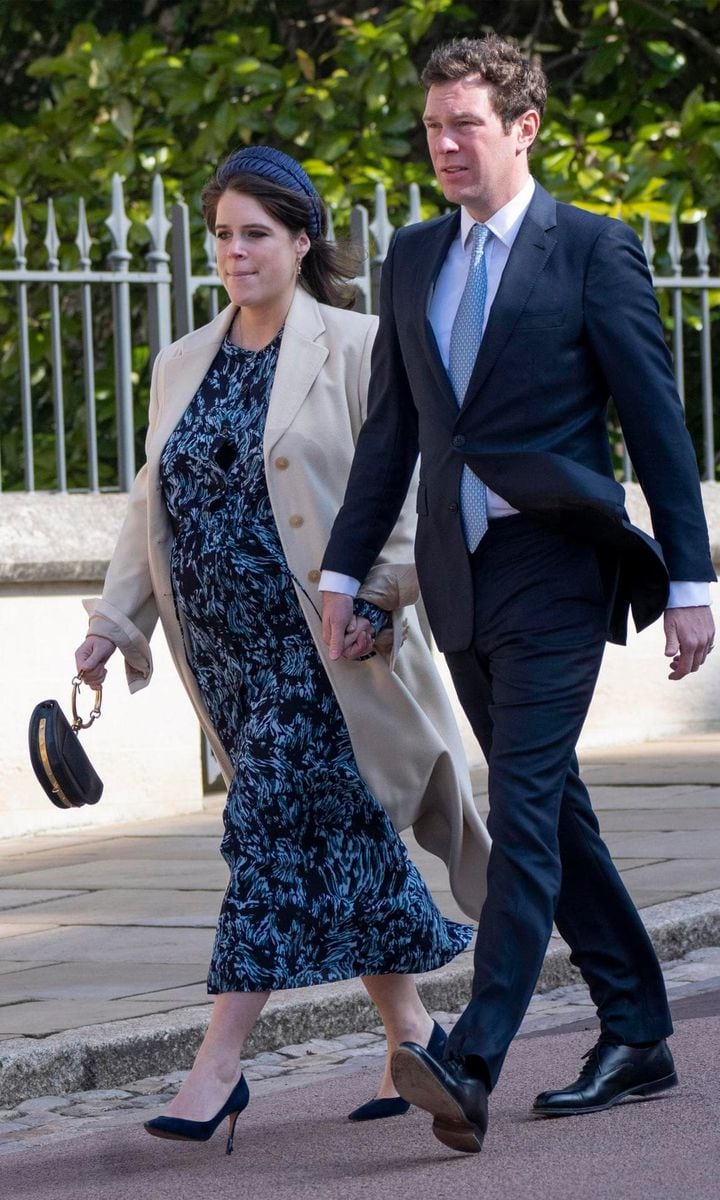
(689, 638)
(359, 639)
(338, 618)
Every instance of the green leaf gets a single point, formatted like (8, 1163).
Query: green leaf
(122, 117)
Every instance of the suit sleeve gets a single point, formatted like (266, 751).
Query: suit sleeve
(386, 452)
(626, 334)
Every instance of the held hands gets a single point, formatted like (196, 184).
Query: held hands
(90, 659)
(346, 635)
(689, 638)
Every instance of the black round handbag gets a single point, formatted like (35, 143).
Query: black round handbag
(63, 769)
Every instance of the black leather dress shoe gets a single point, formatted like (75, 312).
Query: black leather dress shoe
(611, 1073)
(457, 1101)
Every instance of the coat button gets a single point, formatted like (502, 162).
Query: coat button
(459, 441)
(314, 576)
(454, 507)
(282, 463)
(296, 521)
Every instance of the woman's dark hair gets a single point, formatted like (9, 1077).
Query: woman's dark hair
(516, 83)
(326, 268)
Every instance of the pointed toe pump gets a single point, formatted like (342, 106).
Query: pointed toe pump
(395, 1106)
(201, 1131)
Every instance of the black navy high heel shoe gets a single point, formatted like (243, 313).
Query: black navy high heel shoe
(395, 1106)
(201, 1131)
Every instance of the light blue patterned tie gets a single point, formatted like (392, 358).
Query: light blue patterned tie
(465, 340)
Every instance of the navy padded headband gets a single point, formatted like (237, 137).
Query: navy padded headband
(283, 170)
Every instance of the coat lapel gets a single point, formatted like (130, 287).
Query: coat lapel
(300, 361)
(533, 246)
(185, 371)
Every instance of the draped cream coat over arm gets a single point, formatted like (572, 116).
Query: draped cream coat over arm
(403, 732)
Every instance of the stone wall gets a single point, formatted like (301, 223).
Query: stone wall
(53, 552)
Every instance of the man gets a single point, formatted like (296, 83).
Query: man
(504, 330)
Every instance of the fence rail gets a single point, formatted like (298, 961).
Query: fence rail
(172, 295)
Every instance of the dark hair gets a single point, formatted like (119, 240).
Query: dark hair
(326, 268)
(516, 83)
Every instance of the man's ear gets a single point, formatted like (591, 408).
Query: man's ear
(527, 127)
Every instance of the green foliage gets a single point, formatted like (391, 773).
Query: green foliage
(171, 86)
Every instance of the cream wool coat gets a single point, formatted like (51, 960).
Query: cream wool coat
(401, 725)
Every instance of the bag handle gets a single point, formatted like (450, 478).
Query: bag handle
(77, 721)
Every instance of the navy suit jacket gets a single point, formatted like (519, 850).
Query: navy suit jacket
(574, 322)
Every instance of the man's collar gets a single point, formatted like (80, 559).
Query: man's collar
(505, 223)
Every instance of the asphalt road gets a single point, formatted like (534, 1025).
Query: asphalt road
(297, 1144)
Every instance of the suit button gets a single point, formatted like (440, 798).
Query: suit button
(282, 463)
(459, 441)
(296, 521)
(454, 507)
(314, 576)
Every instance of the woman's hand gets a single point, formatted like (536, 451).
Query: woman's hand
(90, 659)
(359, 638)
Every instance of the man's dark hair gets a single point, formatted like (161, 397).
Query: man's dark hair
(516, 83)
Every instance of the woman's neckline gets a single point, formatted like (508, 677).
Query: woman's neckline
(232, 346)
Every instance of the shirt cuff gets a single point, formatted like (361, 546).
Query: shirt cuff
(688, 595)
(333, 581)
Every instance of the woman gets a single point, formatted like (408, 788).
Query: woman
(253, 421)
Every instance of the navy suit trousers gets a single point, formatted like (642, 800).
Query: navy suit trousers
(541, 618)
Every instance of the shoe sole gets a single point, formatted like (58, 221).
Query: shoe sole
(642, 1090)
(420, 1087)
(172, 1137)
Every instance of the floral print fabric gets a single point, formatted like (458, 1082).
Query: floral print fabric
(321, 887)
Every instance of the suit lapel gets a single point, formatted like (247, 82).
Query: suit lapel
(532, 247)
(429, 265)
(300, 361)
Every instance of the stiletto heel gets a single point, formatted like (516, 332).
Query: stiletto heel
(231, 1132)
(201, 1131)
(395, 1106)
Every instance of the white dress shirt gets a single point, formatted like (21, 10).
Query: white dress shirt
(504, 226)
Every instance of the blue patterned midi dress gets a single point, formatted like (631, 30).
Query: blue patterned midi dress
(321, 887)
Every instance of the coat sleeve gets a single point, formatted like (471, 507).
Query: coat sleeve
(626, 334)
(127, 612)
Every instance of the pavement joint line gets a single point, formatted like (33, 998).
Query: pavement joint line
(106, 1055)
(52, 1119)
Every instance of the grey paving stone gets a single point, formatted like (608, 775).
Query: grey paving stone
(181, 997)
(678, 874)
(680, 843)
(12, 899)
(181, 874)
(149, 1087)
(656, 797)
(126, 944)
(10, 931)
(299, 1051)
(39, 1018)
(709, 954)
(666, 820)
(141, 906)
(40, 1104)
(323, 1044)
(352, 1040)
(66, 980)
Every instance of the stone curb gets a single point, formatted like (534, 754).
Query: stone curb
(106, 1056)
